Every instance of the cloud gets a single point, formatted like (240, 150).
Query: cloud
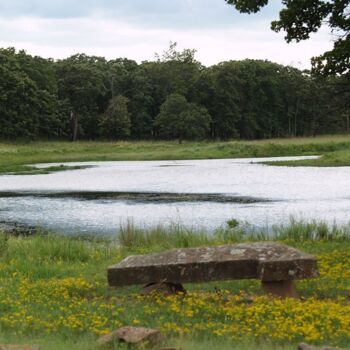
(138, 28)
(59, 38)
(181, 14)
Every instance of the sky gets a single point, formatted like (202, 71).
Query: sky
(137, 29)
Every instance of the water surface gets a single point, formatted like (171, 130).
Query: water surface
(194, 193)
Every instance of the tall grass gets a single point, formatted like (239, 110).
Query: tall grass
(44, 255)
(301, 230)
(43, 247)
(133, 238)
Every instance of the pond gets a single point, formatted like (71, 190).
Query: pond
(195, 193)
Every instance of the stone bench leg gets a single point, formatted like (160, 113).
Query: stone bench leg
(282, 289)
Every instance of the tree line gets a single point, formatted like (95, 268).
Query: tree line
(172, 97)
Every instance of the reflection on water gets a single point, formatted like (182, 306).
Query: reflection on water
(200, 193)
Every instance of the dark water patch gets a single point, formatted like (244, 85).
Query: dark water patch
(33, 170)
(152, 197)
(19, 229)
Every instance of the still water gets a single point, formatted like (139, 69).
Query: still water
(193, 193)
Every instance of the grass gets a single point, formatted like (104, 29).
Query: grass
(53, 289)
(15, 157)
(332, 159)
(53, 292)
(88, 343)
(132, 238)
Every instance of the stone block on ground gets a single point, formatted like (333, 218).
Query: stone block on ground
(133, 335)
(267, 261)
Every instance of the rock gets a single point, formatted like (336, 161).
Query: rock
(267, 261)
(132, 335)
(304, 346)
(18, 347)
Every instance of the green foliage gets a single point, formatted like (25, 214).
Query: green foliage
(116, 124)
(172, 55)
(300, 18)
(181, 120)
(232, 223)
(248, 6)
(27, 98)
(81, 84)
(250, 99)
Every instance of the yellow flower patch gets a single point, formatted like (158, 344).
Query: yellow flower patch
(75, 305)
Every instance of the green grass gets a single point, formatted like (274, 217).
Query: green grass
(33, 268)
(132, 238)
(88, 343)
(14, 157)
(332, 159)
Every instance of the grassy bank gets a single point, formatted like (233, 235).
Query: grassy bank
(53, 292)
(14, 157)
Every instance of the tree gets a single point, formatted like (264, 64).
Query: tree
(300, 18)
(218, 86)
(115, 123)
(171, 54)
(173, 72)
(82, 85)
(130, 80)
(179, 119)
(28, 97)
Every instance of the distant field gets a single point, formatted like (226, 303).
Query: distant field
(335, 151)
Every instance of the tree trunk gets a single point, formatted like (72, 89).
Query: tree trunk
(296, 118)
(74, 125)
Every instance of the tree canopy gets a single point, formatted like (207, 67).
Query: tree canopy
(181, 120)
(115, 123)
(173, 97)
(300, 18)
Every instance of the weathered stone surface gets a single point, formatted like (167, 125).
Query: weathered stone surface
(267, 261)
(18, 347)
(304, 346)
(132, 335)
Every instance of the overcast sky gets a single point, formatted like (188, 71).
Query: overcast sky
(138, 28)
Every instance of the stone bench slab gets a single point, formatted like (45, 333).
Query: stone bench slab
(266, 261)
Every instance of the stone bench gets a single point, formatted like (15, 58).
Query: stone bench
(275, 264)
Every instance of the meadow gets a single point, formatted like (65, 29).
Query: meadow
(53, 288)
(54, 293)
(15, 157)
